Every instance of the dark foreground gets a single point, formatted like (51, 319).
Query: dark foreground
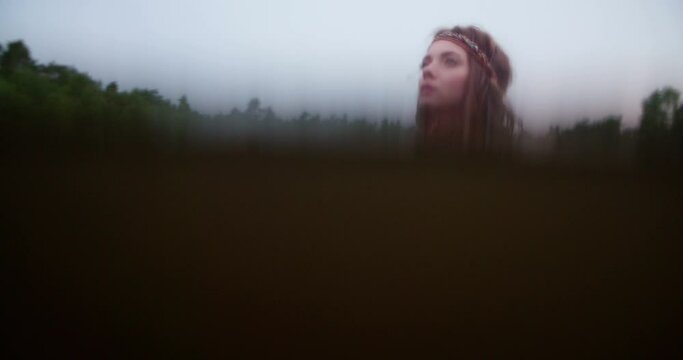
(259, 256)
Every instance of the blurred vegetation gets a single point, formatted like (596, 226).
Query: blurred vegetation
(259, 129)
(598, 142)
(656, 143)
(56, 107)
(50, 107)
(660, 136)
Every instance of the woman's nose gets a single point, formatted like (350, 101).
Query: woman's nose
(427, 72)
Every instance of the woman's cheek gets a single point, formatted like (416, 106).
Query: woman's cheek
(455, 87)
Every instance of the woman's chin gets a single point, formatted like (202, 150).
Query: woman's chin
(424, 99)
(428, 101)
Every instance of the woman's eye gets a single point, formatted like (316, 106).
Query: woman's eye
(451, 62)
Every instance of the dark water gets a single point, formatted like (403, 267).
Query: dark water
(301, 256)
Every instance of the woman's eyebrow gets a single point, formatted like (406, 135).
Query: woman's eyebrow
(443, 55)
(446, 53)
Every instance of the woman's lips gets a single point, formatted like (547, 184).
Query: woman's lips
(427, 89)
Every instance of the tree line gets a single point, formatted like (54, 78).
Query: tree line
(44, 107)
(657, 142)
(57, 107)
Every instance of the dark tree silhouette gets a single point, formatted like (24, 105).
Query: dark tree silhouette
(16, 56)
(656, 143)
(184, 105)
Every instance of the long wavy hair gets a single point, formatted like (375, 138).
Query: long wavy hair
(484, 123)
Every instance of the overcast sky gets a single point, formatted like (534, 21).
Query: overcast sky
(571, 59)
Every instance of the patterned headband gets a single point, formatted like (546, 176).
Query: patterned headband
(472, 46)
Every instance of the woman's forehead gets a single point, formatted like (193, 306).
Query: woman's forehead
(440, 47)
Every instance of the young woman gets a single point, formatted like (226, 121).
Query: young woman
(461, 103)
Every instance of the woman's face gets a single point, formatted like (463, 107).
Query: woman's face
(444, 75)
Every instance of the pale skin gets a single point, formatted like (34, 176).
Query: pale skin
(444, 76)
